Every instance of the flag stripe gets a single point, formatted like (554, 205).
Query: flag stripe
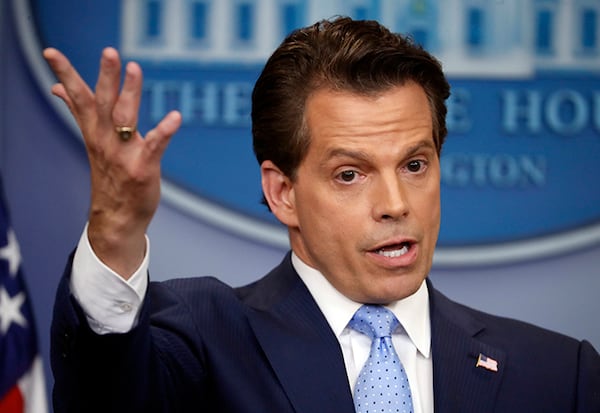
(12, 401)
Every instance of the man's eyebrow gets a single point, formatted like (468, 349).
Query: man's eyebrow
(346, 153)
(419, 146)
(426, 144)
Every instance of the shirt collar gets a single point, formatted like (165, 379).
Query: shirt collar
(412, 312)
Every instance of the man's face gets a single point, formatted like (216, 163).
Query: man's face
(366, 199)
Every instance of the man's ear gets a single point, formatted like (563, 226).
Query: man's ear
(278, 190)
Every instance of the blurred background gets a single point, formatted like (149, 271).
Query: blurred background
(521, 202)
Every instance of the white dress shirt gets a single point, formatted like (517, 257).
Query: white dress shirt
(412, 342)
(112, 305)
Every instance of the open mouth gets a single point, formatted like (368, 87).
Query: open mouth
(394, 251)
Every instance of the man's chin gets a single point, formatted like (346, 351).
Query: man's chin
(390, 292)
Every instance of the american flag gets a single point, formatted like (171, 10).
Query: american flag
(487, 362)
(22, 387)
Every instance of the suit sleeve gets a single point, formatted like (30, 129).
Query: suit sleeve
(589, 379)
(149, 369)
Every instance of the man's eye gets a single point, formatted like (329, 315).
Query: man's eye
(348, 176)
(414, 166)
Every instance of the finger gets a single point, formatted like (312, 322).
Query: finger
(59, 90)
(74, 91)
(107, 86)
(159, 137)
(125, 111)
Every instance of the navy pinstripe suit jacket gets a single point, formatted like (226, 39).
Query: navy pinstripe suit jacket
(202, 346)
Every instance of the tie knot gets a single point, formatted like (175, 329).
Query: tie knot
(374, 321)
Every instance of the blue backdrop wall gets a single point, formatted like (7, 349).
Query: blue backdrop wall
(46, 178)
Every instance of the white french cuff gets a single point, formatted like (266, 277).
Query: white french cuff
(111, 303)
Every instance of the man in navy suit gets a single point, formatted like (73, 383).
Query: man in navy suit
(348, 126)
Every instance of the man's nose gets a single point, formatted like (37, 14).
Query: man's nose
(390, 202)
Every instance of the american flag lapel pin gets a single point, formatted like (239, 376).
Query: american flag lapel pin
(487, 362)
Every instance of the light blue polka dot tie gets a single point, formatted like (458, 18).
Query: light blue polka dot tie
(382, 384)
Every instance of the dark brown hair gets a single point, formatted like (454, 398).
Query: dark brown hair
(360, 57)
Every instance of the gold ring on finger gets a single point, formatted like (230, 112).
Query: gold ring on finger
(125, 132)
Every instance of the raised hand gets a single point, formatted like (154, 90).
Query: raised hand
(125, 173)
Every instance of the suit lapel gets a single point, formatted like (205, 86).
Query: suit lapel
(306, 357)
(299, 344)
(459, 384)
